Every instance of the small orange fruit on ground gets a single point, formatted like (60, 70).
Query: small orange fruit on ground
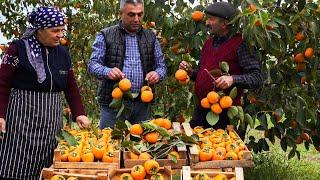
(258, 23)
(309, 53)
(205, 103)
(151, 166)
(133, 155)
(225, 102)
(138, 172)
(299, 140)
(202, 176)
(181, 75)
(298, 58)
(117, 93)
(151, 137)
(125, 84)
(197, 16)
(145, 156)
(146, 96)
(305, 136)
(136, 129)
(216, 109)
(299, 36)
(213, 97)
(126, 176)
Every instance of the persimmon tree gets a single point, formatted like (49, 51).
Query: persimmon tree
(284, 36)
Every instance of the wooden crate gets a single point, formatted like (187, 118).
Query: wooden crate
(194, 155)
(80, 174)
(58, 164)
(182, 161)
(188, 174)
(115, 174)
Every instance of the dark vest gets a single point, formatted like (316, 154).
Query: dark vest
(57, 67)
(210, 59)
(115, 54)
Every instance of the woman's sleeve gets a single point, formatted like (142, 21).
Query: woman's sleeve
(8, 66)
(73, 97)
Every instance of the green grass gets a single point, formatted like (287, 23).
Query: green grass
(274, 165)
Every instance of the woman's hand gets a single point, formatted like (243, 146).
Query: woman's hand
(82, 121)
(2, 127)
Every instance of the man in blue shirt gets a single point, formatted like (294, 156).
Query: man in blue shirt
(126, 50)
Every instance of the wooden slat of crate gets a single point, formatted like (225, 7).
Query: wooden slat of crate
(182, 161)
(188, 174)
(194, 155)
(115, 174)
(58, 164)
(47, 173)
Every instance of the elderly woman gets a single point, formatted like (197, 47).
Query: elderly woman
(33, 73)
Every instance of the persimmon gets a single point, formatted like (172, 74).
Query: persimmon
(185, 82)
(205, 103)
(175, 48)
(197, 129)
(108, 157)
(216, 109)
(205, 154)
(87, 157)
(138, 172)
(57, 177)
(117, 93)
(133, 155)
(125, 85)
(298, 140)
(166, 123)
(151, 137)
(74, 156)
(173, 153)
(299, 36)
(220, 177)
(258, 23)
(225, 102)
(252, 8)
(181, 75)
(64, 155)
(241, 155)
(157, 176)
(308, 53)
(305, 136)
(231, 155)
(136, 129)
(146, 96)
(232, 147)
(126, 176)
(145, 156)
(98, 150)
(197, 16)
(219, 153)
(213, 97)
(301, 66)
(298, 58)
(63, 42)
(202, 176)
(151, 166)
(145, 88)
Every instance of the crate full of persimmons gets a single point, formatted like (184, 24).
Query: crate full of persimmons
(217, 148)
(158, 139)
(84, 149)
(212, 174)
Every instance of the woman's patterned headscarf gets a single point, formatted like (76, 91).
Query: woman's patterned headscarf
(40, 18)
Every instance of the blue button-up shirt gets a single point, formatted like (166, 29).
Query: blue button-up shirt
(132, 67)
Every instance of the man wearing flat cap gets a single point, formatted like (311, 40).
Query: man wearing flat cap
(222, 45)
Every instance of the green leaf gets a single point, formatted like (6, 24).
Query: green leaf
(240, 113)
(233, 93)
(212, 118)
(173, 158)
(216, 72)
(248, 119)
(120, 111)
(291, 153)
(263, 121)
(263, 144)
(163, 132)
(224, 66)
(115, 103)
(232, 112)
(69, 138)
(283, 144)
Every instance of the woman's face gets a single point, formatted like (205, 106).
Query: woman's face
(50, 36)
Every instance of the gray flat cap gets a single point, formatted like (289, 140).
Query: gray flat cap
(221, 9)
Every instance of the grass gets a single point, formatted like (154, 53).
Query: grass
(274, 165)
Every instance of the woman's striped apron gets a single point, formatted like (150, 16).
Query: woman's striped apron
(32, 121)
